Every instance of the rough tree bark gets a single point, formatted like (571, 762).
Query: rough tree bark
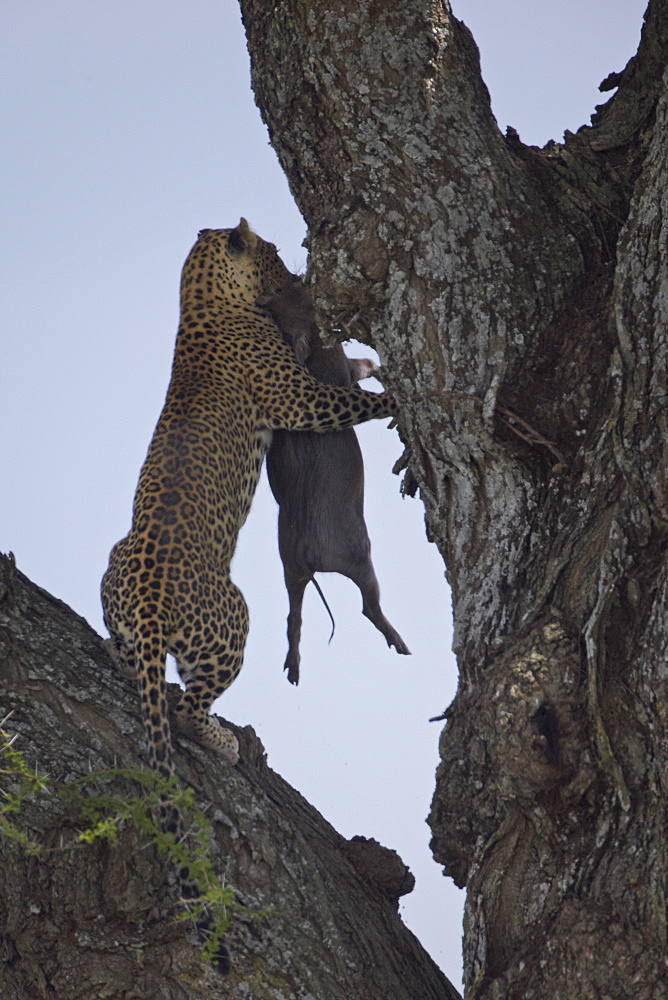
(519, 300)
(95, 922)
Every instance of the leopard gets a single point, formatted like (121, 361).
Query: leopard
(167, 589)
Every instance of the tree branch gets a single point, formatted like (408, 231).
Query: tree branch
(320, 913)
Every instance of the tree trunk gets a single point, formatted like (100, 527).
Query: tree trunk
(98, 921)
(518, 298)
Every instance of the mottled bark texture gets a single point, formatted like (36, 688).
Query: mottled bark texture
(99, 921)
(519, 300)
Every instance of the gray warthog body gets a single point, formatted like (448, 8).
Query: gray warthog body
(318, 482)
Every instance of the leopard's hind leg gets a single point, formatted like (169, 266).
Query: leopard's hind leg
(209, 658)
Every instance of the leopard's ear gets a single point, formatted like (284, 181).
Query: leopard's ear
(242, 239)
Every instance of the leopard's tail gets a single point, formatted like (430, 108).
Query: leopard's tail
(149, 663)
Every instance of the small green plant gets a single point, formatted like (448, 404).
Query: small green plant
(29, 783)
(102, 814)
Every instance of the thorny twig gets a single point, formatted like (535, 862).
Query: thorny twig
(529, 433)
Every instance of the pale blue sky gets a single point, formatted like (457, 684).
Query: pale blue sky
(127, 127)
